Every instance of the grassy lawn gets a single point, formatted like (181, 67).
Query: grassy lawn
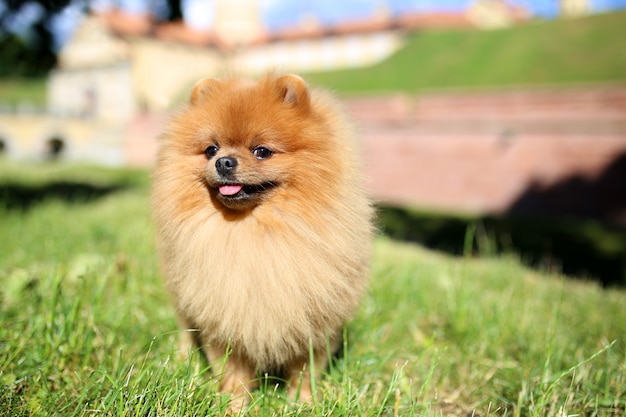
(564, 51)
(31, 92)
(87, 328)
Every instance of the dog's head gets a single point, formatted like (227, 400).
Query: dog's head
(252, 139)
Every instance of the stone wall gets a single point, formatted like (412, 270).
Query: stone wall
(529, 150)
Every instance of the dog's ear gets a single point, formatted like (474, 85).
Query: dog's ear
(204, 88)
(293, 91)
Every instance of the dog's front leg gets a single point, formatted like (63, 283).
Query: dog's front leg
(236, 374)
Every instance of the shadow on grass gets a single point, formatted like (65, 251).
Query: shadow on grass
(602, 197)
(578, 248)
(16, 196)
(576, 226)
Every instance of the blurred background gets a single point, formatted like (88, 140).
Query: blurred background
(487, 126)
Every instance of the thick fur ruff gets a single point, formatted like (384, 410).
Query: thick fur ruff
(271, 277)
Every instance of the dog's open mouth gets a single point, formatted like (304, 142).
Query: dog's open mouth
(234, 191)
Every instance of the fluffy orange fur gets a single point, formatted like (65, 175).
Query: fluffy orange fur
(282, 264)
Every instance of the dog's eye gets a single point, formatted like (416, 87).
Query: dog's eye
(211, 151)
(261, 152)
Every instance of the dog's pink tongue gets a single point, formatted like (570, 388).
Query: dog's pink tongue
(231, 189)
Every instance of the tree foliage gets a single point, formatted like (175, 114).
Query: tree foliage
(30, 52)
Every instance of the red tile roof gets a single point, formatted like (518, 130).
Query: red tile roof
(125, 24)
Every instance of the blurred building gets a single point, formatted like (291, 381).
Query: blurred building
(94, 76)
(121, 73)
(573, 8)
(493, 14)
(148, 66)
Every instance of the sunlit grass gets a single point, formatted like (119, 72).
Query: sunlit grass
(87, 327)
(23, 92)
(559, 52)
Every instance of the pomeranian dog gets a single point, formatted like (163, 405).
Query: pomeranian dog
(263, 228)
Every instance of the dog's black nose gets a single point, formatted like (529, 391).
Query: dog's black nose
(226, 165)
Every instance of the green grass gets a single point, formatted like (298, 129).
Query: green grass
(28, 91)
(87, 328)
(564, 51)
